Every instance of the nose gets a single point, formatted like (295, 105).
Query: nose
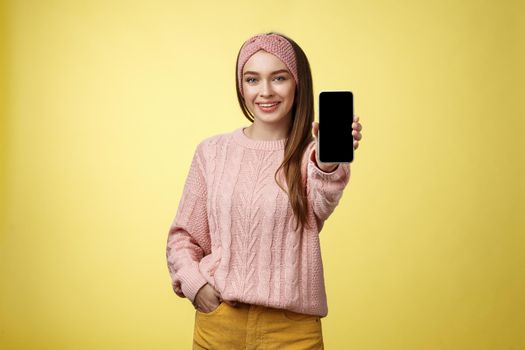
(266, 89)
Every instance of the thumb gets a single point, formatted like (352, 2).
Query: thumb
(315, 129)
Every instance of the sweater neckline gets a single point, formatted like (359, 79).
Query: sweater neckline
(268, 145)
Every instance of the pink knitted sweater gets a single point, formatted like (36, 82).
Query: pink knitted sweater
(234, 226)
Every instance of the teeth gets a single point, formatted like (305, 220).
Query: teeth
(267, 105)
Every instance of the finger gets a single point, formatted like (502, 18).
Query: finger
(315, 129)
(357, 135)
(231, 303)
(356, 118)
(356, 144)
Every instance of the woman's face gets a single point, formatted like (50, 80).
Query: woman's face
(266, 79)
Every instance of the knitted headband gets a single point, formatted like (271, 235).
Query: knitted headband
(272, 43)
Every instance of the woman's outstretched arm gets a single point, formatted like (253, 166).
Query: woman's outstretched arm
(324, 189)
(325, 182)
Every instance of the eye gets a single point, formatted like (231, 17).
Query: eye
(281, 76)
(248, 79)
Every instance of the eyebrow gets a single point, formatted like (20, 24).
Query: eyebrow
(275, 72)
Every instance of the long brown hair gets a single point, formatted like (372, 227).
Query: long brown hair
(299, 134)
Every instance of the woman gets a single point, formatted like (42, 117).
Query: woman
(244, 244)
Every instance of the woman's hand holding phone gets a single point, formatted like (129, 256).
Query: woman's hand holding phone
(356, 128)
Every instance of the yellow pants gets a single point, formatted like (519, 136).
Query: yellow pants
(248, 327)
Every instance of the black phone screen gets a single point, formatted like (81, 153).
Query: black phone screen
(336, 114)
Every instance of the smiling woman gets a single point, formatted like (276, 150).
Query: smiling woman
(244, 246)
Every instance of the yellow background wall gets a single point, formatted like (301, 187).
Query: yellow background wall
(103, 103)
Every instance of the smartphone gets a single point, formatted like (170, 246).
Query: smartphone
(335, 142)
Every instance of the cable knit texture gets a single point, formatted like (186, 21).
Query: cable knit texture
(234, 226)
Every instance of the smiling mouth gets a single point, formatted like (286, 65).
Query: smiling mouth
(268, 107)
(268, 104)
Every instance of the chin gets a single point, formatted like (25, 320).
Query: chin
(270, 120)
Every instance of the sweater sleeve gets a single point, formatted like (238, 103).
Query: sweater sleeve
(324, 189)
(189, 238)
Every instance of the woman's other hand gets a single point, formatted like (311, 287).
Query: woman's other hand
(208, 299)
